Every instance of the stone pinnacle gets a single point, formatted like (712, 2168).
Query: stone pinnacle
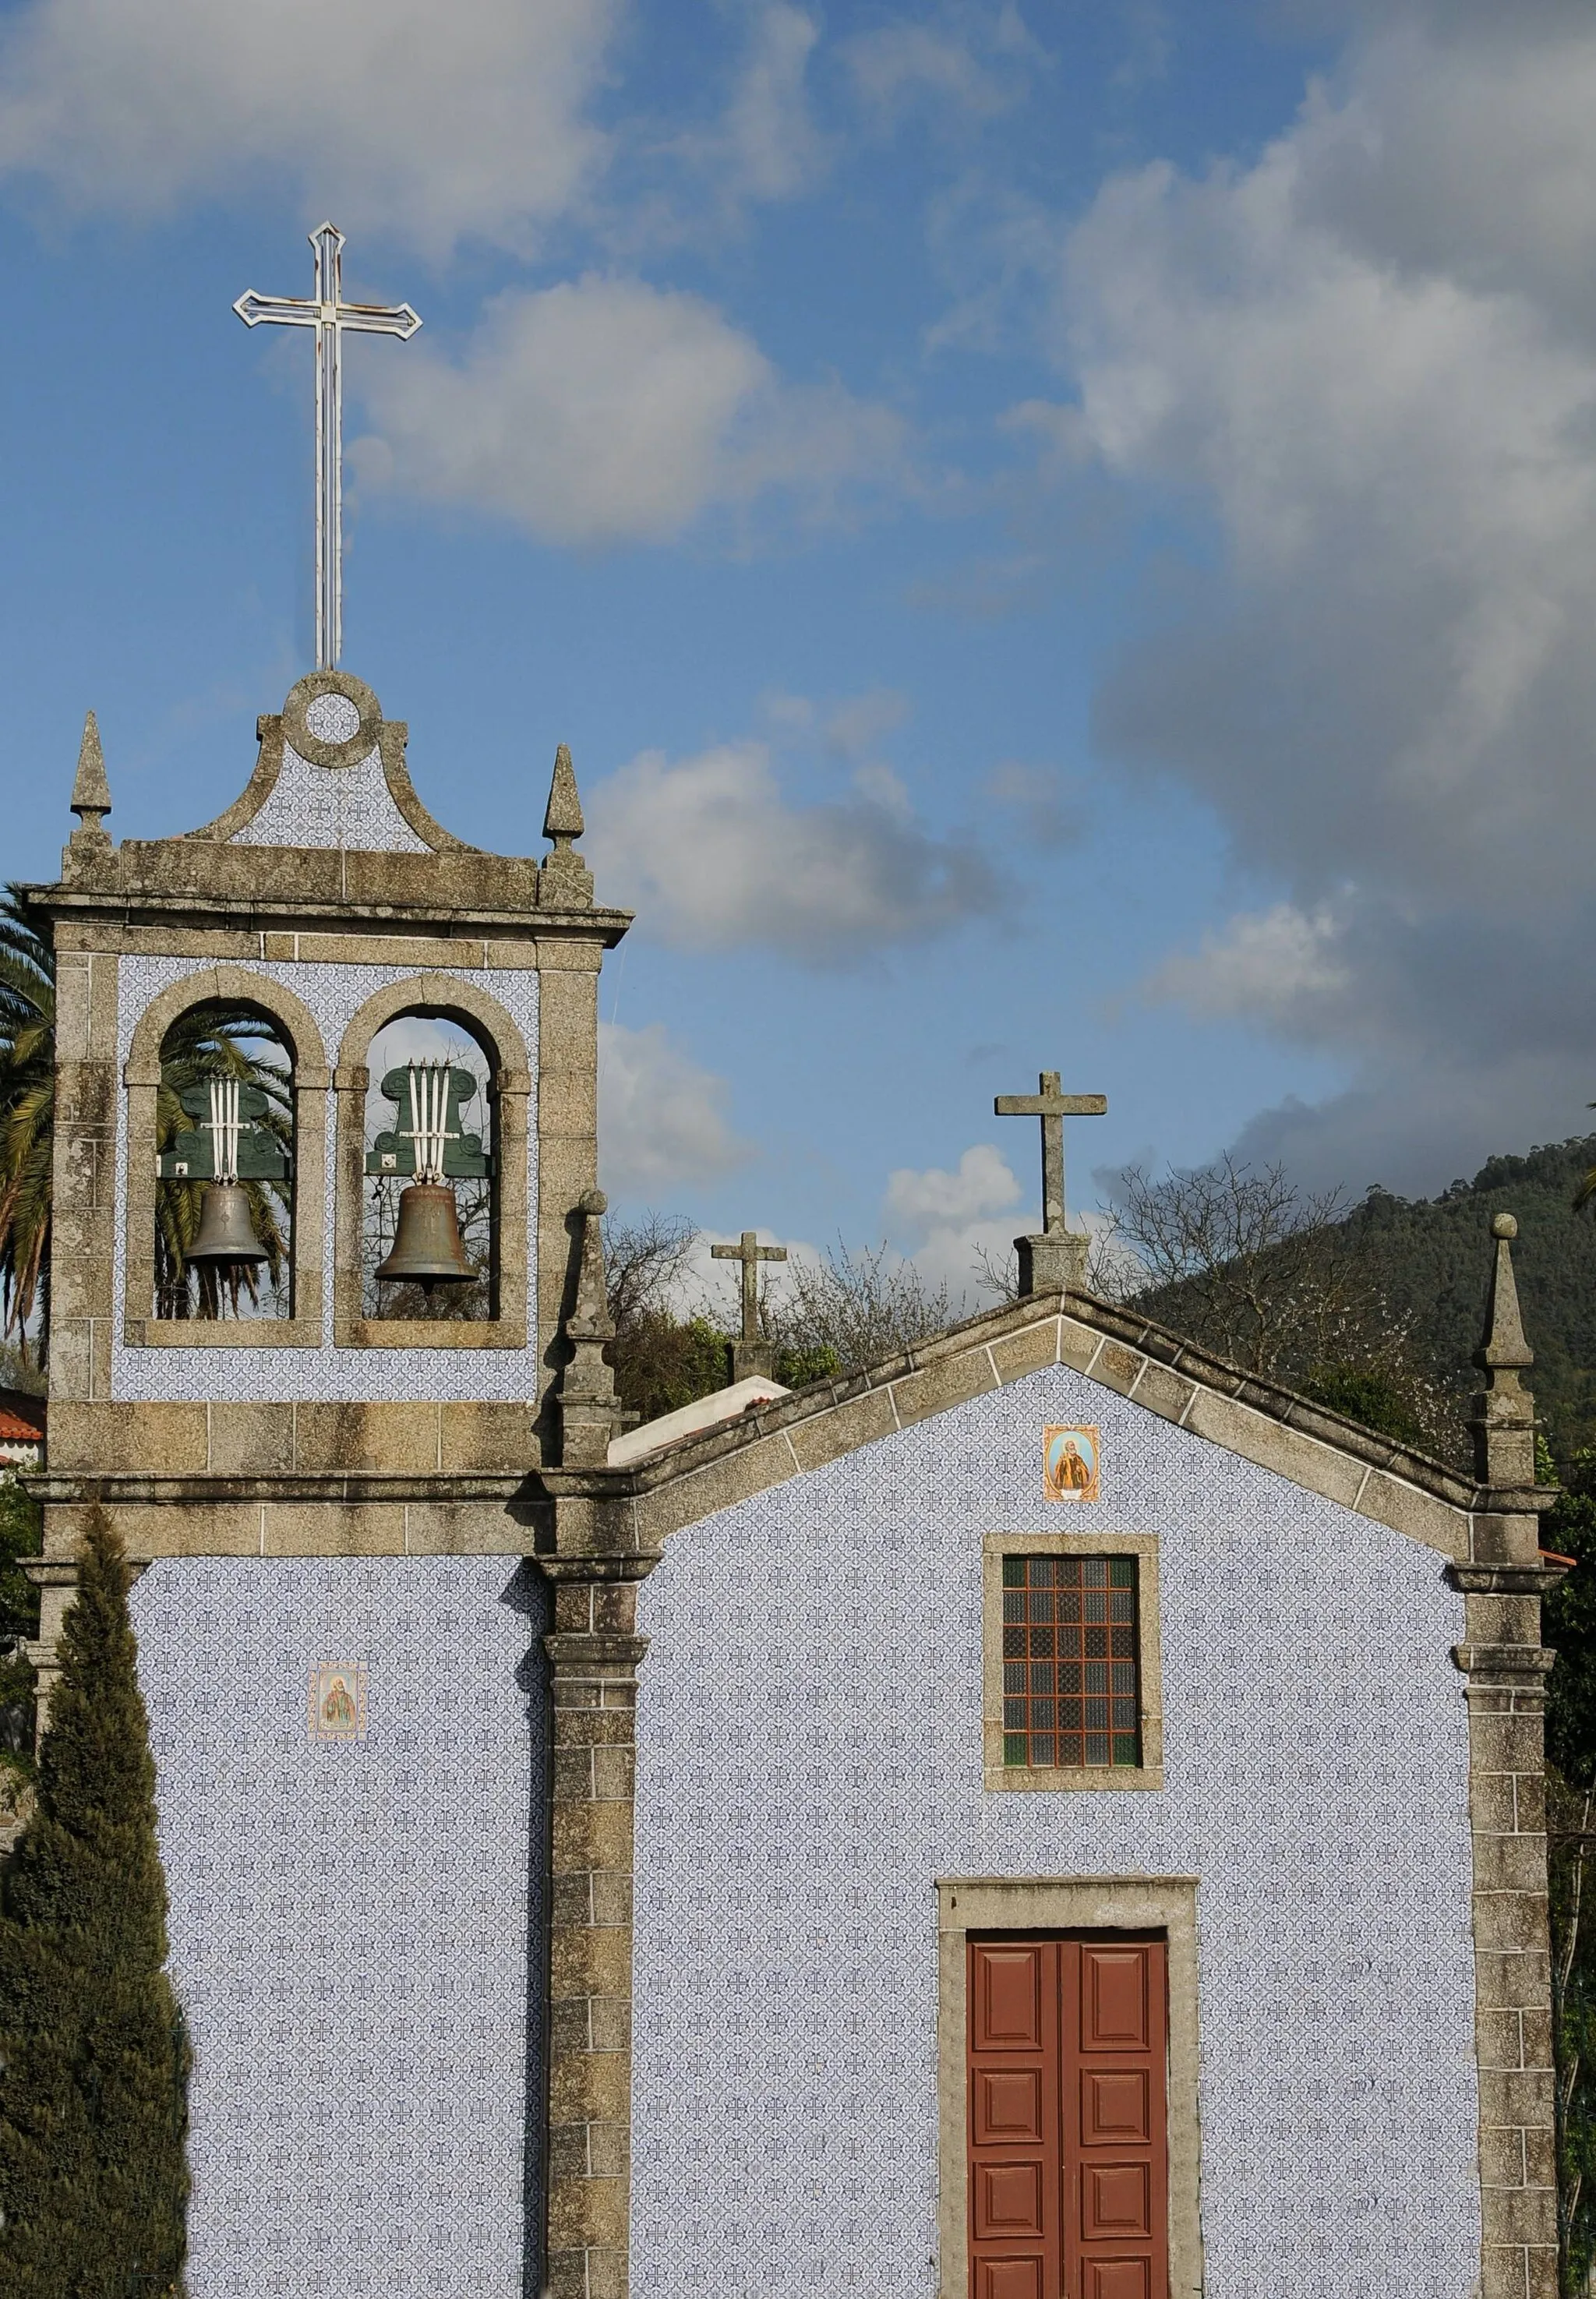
(91, 793)
(563, 817)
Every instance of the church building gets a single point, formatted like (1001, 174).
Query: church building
(1048, 1817)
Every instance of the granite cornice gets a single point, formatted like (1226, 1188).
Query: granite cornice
(1510, 1580)
(518, 1489)
(470, 904)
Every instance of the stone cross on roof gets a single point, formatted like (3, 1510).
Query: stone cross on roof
(332, 318)
(752, 1353)
(1056, 1257)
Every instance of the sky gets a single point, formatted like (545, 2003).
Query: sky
(1061, 535)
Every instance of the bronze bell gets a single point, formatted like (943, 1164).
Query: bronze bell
(427, 1248)
(226, 1233)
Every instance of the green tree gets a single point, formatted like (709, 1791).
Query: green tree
(93, 2057)
(1569, 1627)
(20, 1527)
(19, 1530)
(1370, 1394)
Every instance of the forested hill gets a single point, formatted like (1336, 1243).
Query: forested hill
(1434, 1254)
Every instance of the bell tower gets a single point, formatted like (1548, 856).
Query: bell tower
(327, 1332)
(322, 1309)
(415, 1021)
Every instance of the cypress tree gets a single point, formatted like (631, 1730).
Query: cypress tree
(93, 2058)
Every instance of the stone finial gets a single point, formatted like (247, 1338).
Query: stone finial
(1503, 1422)
(590, 1412)
(563, 817)
(565, 883)
(91, 793)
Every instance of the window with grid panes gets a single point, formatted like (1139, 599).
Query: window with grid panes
(1072, 1679)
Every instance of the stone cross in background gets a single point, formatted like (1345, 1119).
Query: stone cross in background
(330, 316)
(752, 1353)
(1057, 1258)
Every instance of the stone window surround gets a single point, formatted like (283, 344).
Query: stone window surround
(443, 996)
(1068, 1903)
(1071, 1779)
(232, 984)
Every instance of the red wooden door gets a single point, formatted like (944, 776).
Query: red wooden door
(1069, 2164)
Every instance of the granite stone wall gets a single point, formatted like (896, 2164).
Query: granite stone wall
(810, 1763)
(353, 1921)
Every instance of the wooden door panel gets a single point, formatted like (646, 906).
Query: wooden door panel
(1115, 2201)
(1119, 2279)
(1009, 2199)
(1114, 2010)
(1114, 2106)
(1008, 1999)
(1007, 2105)
(1010, 2279)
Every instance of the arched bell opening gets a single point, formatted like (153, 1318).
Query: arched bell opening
(430, 1217)
(224, 1140)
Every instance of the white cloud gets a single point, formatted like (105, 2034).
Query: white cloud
(1038, 796)
(1404, 466)
(949, 1220)
(403, 117)
(605, 410)
(768, 146)
(662, 1120)
(983, 1184)
(1368, 357)
(898, 64)
(966, 59)
(713, 854)
(857, 723)
(1273, 965)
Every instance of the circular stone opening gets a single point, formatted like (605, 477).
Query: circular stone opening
(332, 717)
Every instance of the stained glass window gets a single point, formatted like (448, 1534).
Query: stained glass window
(1072, 1679)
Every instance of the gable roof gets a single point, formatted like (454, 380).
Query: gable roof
(1257, 1419)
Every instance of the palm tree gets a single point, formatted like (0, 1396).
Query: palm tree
(208, 1041)
(26, 1117)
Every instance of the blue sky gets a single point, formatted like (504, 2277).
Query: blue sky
(1059, 537)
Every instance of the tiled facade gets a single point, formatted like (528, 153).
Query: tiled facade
(809, 1765)
(354, 1923)
(333, 993)
(351, 807)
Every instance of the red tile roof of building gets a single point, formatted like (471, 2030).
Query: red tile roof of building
(22, 1418)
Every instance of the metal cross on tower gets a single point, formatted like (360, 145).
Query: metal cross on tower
(330, 317)
(752, 1353)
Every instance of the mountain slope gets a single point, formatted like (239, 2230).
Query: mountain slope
(1434, 1256)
